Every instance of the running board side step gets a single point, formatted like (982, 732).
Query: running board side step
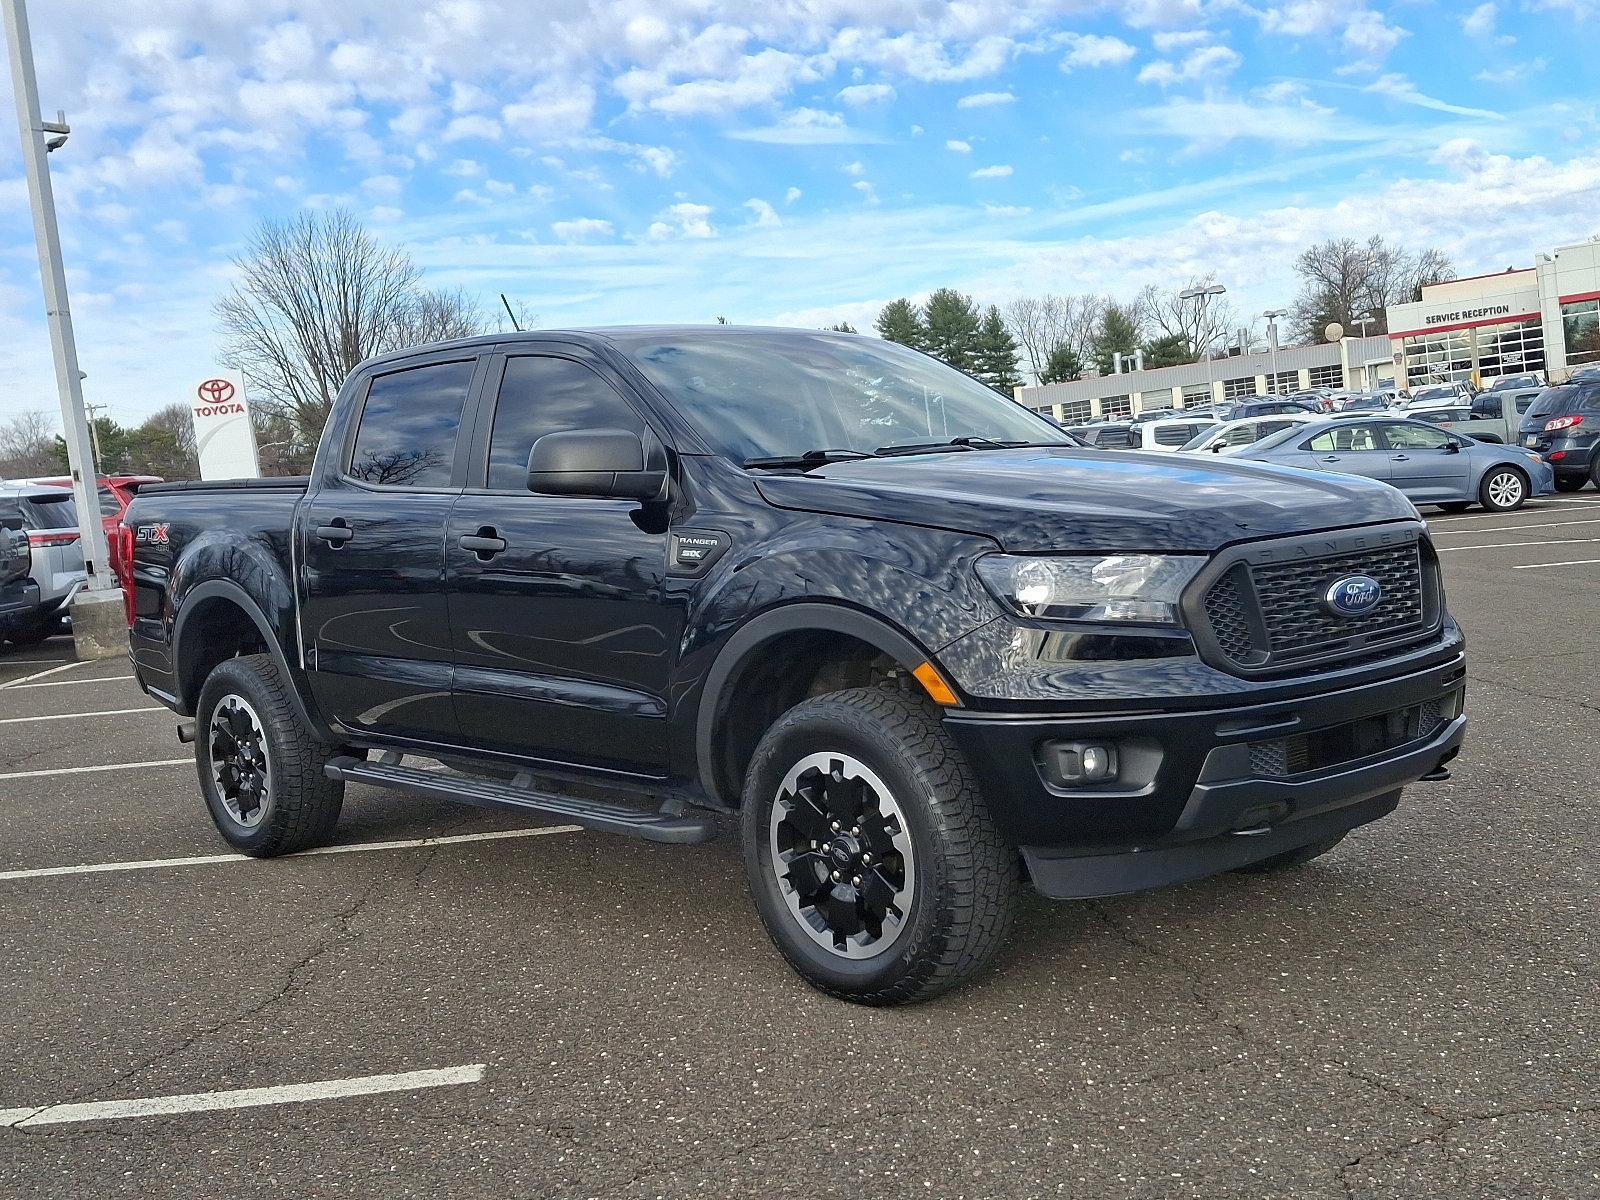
(520, 795)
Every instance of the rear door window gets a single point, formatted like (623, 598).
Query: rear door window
(1415, 437)
(49, 513)
(409, 424)
(1344, 439)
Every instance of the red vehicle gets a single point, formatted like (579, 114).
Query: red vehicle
(116, 493)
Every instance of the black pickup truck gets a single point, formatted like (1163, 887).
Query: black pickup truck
(923, 649)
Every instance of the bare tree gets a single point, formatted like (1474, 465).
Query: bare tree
(1042, 324)
(1202, 327)
(28, 445)
(316, 295)
(1342, 279)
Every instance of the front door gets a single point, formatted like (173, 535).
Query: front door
(373, 612)
(1353, 449)
(563, 641)
(1427, 464)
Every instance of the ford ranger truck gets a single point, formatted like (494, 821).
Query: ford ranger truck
(653, 581)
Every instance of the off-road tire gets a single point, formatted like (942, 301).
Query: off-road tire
(967, 874)
(1291, 858)
(303, 804)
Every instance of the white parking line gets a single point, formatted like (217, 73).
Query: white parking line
(295, 1093)
(1534, 509)
(1571, 562)
(31, 662)
(152, 864)
(109, 712)
(1503, 545)
(41, 674)
(1517, 528)
(160, 762)
(22, 687)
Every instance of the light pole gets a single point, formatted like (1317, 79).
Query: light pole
(1202, 297)
(1272, 315)
(99, 629)
(1364, 320)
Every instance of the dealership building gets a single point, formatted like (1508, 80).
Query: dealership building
(1544, 318)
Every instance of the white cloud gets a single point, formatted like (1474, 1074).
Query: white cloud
(683, 220)
(474, 126)
(1000, 171)
(1095, 50)
(868, 192)
(1207, 62)
(808, 127)
(958, 146)
(866, 93)
(1171, 41)
(381, 185)
(854, 168)
(1371, 37)
(793, 194)
(581, 229)
(985, 99)
(385, 214)
(659, 159)
(765, 213)
(1479, 23)
(1512, 72)
(1006, 210)
(550, 112)
(1398, 87)
(463, 168)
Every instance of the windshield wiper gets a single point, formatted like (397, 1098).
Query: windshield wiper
(810, 460)
(971, 442)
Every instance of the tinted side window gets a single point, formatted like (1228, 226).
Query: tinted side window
(409, 424)
(109, 505)
(547, 395)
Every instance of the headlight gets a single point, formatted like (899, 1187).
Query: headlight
(1122, 587)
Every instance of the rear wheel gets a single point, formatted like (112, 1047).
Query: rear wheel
(1571, 483)
(31, 633)
(1503, 489)
(260, 767)
(1291, 858)
(873, 862)
(1594, 469)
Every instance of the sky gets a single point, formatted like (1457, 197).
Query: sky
(792, 162)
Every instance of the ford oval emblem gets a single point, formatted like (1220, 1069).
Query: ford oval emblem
(1353, 595)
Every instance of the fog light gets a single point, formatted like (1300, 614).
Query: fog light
(1085, 762)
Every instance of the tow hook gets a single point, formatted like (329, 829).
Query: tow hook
(186, 732)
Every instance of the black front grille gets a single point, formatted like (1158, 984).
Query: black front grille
(1337, 744)
(1263, 615)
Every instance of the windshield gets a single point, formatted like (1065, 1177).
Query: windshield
(1513, 381)
(1563, 399)
(1434, 393)
(752, 393)
(46, 512)
(1273, 440)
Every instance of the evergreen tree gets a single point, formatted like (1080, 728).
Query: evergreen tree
(952, 323)
(1062, 365)
(1118, 333)
(1171, 350)
(995, 358)
(899, 321)
(843, 327)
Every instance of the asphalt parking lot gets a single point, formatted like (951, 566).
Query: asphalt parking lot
(435, 1010)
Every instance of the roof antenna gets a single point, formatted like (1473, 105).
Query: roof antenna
(509, 313)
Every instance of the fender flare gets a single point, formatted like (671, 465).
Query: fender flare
(226, 589)
(801, 616)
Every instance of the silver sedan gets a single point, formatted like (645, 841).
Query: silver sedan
(1430, 465)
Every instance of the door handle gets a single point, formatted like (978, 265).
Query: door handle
(1402, 458)
(336, 534)
(1330, 458)
(486, 543)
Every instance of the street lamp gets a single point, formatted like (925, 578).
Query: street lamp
(1364, 320)
(1272, 315)
(1202, 297)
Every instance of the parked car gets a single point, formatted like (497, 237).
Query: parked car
(19, 592)
(818, 580)
(1314, 399)
(1358, 402)
(1563, 425)
(1156, 434)
(1438, 395)
(50, 519)
(116, 493)
(1428, 464)
(1259, 406)
(1233, 436)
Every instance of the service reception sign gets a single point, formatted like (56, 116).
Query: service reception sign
(224, 438)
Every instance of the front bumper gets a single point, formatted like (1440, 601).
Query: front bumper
(1223, 787)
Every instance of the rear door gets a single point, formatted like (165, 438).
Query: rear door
(371, 541)
(564, 640)
(1353, 449)
(1426, 463)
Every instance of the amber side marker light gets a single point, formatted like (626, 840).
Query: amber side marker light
(933, 683)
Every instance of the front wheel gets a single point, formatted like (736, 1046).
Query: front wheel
(874, 865)
(1503, 489)
(260, 767)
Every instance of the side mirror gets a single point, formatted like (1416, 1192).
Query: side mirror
(611, 464)
(1452, 447)
(1216, 447)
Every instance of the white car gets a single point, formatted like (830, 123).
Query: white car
(1234, 436)
(1438, 395)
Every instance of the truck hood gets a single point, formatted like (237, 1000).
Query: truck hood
(1064, 498)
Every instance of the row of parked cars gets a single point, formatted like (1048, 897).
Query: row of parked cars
(41, 551)
(1448, 444)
